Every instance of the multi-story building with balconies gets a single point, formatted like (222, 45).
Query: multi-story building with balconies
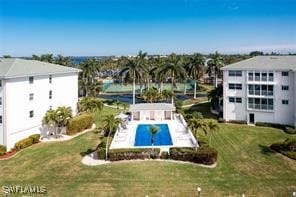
(260, 89)
(28, 88)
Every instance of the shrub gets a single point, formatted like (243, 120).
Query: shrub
(2, 150)
(35, 138)
(80, 123)
(221, 120)
(203, 155)
(238, 121)
(268, 124)
(288, 147)
(290, 130)
(135, 153)
(101, 153)
(164, 155)
(24, 143)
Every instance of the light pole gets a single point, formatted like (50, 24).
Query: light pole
(198, 191)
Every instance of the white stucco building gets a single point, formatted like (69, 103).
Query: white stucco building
(28, 88)
(260, 89)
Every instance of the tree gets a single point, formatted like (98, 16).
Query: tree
(132, 70)
(256, 53)
(215, 97)
(6, 56)
(88, 104)
(57, 119)
(111, 125)
(174, 67)
(195, 69)
(64, 61)
(153, 129)
(214, 64)
(125, 106)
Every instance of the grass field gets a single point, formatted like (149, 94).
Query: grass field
(245, 165)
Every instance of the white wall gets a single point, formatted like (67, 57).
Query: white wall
(18, 123)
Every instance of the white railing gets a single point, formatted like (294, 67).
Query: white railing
(182, 120)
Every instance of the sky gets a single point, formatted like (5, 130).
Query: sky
(123, 27)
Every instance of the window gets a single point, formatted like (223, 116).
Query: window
(0, 119)
(0, 100)
(285, 87)
(285, 74)
(260, 103)
(270, 76)
(285, 102)
(50, 78)
(31, 96)
(251, 76)
(263, 76)
(235, 73)
(0, 83)
(257, 76)
(31, 80)
(263, 90)
(235, 100)
(235, 86)
(31, 114)
(50, 94)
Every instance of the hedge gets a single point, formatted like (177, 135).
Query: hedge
(101, 153)
(238, 121)
(2, 150)
(135, 153)
(288, 147)
(268, 124)
(35, 138)
(80, 123)
(24, 143)
(203, 155)
(290, 130)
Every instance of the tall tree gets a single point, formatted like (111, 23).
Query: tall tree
(214, 64)
(88, 104)
(195, 69)
(132, 70)
(174, 67)
(64, 61)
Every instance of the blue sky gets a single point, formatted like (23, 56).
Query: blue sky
(121, 27)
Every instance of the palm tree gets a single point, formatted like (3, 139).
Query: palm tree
(153, 129)
(88, 104)
(132, 70)
(214, 64)
(215, 96)
(174, 67)
(58, 118)
(95, 88)
(62, 60)
(195, 67)
(111, 125)
(154, 72)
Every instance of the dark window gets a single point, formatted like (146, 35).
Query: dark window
(0, 119)
(50, 94)
(285, 102)
(285, 74)
(235, 73)
(31, 80)
(50, 78)
(0, 100)
(235, 100)
(31, 114)
(0, 83)
(285, 87)
(31, 96)
(235, 86)
(238, 100)
(231, 99)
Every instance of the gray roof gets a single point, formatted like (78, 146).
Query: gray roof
(152, 106)
(265, 63)
(15, 67)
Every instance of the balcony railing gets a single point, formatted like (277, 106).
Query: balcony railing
(260, 106)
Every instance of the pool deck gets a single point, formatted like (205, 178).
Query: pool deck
(181, 136)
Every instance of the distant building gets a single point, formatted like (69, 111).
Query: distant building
(261, 89)
(28, 88)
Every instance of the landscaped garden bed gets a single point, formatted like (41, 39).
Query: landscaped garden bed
(287, 147)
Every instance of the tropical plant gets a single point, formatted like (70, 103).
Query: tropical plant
(167, 94)
(195, 69)
(132, 70)
(215, 96)
(125, 106)
(213, 66)
(153, 129)
(89, 104)
(174, 67)
(151, 95)
(57, 119)
(111, 125)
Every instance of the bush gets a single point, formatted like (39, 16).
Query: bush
(24, 143)
(290, 130)
(164, 155)
(238, 121)
(101, 153)
(288, 147)
(203, 155)
(268, 124)
(221, 120)
(80, 123)
(135, 153)
(2, 150)
(35, 138)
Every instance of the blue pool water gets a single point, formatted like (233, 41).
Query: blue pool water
(143, 135)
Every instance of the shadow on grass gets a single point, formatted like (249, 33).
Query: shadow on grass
(266, 150)
(204, 108)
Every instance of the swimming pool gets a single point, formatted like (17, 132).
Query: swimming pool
(143, 135)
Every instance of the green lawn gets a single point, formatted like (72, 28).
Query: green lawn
(245, 165)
